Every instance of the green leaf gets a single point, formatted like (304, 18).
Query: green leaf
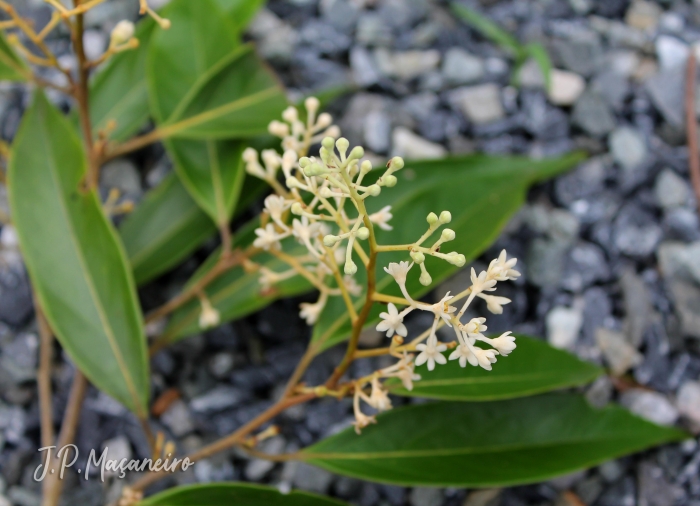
(533, 368)
(12, 68)
(487, 444)
(240, 12)
(119, 92)
(164, 230)
(488, 29)
(481, 192)
(75, 259)
(235, 494)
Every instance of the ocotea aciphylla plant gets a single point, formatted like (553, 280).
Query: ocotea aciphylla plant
(323, 207)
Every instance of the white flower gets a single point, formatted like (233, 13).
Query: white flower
(362, 421)
(310, 312)
(501, 269)
(431, 352)
(209, 317)
(352, 286)
(275, 205)
(494, 303)
(303, 230)
(444, 310)
(379, 398)
(505, 343)
(278, 129)
(382, 217)
(122, 32)
(267, 237)
(485, 357)
(474, 326)
(481, 283)
(464, 355)
(392, 322)
(398, 271)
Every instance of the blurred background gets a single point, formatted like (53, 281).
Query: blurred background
(610, 251)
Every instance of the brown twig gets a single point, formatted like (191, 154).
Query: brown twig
(44, 382)
(692, 127)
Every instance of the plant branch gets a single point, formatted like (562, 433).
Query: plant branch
(44, 383)
(692, 127)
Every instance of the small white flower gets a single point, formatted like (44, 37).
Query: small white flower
(464, 355)
(474, 326)
(276, 205)
(271, 160)
(267, 238)
(352, 286)
(398, 271)
(278, 129)
(444, 310)
(505, 343)
(122, 32)
(431, 352)
(481, 283)
(379, 398)
(406, 372)
(485, 357)
(209, 317)
(501, 269)
(311, 312)
(362, 421)
(494, 303)
(303, 230)
(392, 322)
(381, 218)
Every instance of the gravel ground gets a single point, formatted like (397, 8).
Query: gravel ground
(610, 251)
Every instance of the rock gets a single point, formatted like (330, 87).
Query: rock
(593, 115)
(541, 119)
(585, 265)
(545, 262)
(409, 145)
(421, 105)
(638, 306)
(566, 87)
(671, 52)
(422, 496)
(342, 15)
(461, 67)
(20, 357)
(681, 224)
(364, 70)
(406, 65)
(256, 469)
(16, 304)
(688, 401)
(655, 489)
(371, 31)
(618, 353)
(480, 104)
(628, 147)
(653, 406)
(487, 497)
(635, 232)
(666, 91)
(585, 180)
(680, 261)
(563, 326)
(531, 76)
(686, 298)
(325, 38)
(312, 479)
(217, 399)
(671, 190)
(613, 86)
(611, 470)
(178, 419)
(118, 448)
(378, 131)
(581, 53)
(643, 15)
(276, 40)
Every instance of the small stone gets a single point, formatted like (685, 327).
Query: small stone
(118, 449)
(585, 265)
(371, 31)
(217, 399)
(666, 90)
(628, 147)
(566, 87)
(480, 104)
(671, 190)
(122, 175)
(679, 260)
(406, 65)
(312, 479)
(423, 496)
(377, 131)
(618, 353)
(585, 180)
(653, 406)
(635, 232)
(671, 52)
(563, 326)
(580, 54)
(461, 67)
(256, 469)
(593, 115)
(487, 497)
(655, 489)
(643, 15)
(681, 224)
(613, 86)
(364, 70)
(600, 393)
(545, 262)
(688, 401)
(20, 357)
(531, 76)
(638, 306)
(94, 42)
(611, 470)
(276, 40)
(686, 298)
(178, 419)
(409, 145)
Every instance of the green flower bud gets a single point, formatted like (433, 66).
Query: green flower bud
(342, 144)
(417, 256)
(425, 279)
(459, 260)
(362, 233)
(330, 240)
(350, 268)
(365, 167)
(390, 181)
(395, 163)
(374, 190)
(357, 153)
(432, 219)
(328, 143)
(304, 161)
(297, 209)
(447, 235)
(445, 217)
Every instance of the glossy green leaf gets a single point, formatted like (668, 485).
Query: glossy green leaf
(75, 259)
(164, 230)
(119, 92)
(487, 444)
(534, 367)
(12, 68)
(481, 192)
(235, 494)
(240, 12)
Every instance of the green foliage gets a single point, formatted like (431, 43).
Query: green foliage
(535, 367)
(75, 260)
(481, 192)
(12, 68)
(508, 43)
(449, 444)
(235, 494)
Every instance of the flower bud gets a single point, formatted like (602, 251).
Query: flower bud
(357, 153)
(333, 131)
(328, 143)
(342, 144)
(250, 155)
(365, 167)
(330, 240)
(456, 259)
(390, 181)
(290, 114)
(122, 32)
(350, 268)
(325, 192)
(312, 104)
(324, 120)
(395, 164)
(304, 162)
(374, 190)
(278, 129)
(447, 235)
(297, 209)
(432, 219)
(417, 256)
(445, 217)
(425, 279)
(362, 233)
